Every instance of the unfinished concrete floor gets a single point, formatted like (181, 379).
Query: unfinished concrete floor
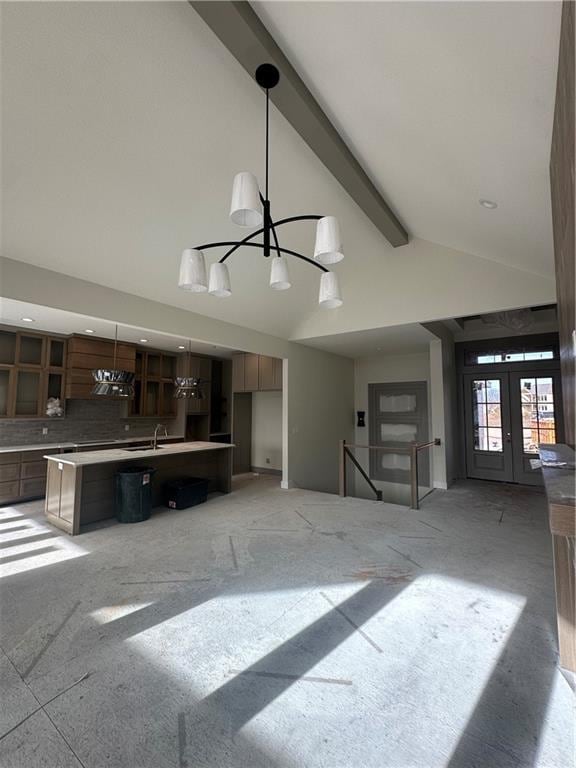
(286, 629)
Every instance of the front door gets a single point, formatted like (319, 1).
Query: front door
(507, 416)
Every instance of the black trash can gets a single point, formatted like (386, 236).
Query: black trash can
(185, 492)
(134, 494)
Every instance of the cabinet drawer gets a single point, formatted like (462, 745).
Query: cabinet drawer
(9, 458)
(32, 456)
(33, 469)
(9, 491)
(9, 472)
(33, 487)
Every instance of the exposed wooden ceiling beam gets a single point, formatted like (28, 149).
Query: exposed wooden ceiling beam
(239, 28)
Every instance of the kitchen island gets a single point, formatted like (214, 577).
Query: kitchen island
(80, 486)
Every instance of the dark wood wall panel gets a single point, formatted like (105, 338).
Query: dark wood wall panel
(562, 188)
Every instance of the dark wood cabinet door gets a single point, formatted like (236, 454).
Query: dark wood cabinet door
(238, 365)
(251, 369)
(266, 373)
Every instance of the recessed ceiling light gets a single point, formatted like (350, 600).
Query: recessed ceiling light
(181, 346)
(88, 330)
(490, 204)
(143, 341)
(27, 319)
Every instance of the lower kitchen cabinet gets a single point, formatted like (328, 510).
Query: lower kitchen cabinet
(22, 476)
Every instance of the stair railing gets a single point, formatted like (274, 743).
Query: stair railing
(345, 452)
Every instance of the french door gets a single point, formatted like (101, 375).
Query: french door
(507, 416)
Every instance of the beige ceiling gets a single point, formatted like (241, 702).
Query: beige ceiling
(123, 125)
(393, 340)
(50, 320)
(444, 103)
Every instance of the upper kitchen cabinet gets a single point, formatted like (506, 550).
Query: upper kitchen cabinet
(256, 373)
(200, 368)
(154, 384)
(32, 370)
(85, 355)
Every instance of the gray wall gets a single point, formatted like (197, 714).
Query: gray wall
(84, 420)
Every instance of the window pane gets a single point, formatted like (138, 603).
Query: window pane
(529, 416)
(494, 439)
(479, 391)
(480, 415)
(493, 391)
(528, 390)
(547, 354)
(530, 441)
(547, 436)
(481, 439)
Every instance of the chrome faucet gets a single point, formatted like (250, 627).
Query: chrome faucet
(155, 441)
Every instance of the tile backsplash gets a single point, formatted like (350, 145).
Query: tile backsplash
(84, 420)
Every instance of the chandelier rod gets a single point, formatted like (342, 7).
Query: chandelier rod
(259, 245)
(238, 243)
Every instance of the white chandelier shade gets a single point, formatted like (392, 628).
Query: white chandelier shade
(219, 284)
(279, 277)
(329, 297)
(246, 208)
(193, 271)
(328, 247)
(251, 208)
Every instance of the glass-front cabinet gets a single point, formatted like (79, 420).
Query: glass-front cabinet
(154, 384)
(32, 374)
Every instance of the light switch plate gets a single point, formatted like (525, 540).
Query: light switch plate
(44, 430)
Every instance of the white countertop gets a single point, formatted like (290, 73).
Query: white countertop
(83, 444)
(86, 458)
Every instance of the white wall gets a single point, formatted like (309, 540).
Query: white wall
(267, 430)
(318, 386)
(376, 370)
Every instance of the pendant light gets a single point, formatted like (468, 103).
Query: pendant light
(188, 387)
(111, 382)
(250, 208)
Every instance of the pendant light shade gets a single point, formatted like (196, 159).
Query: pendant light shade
(110, 383)
(188, 388)
(193, 271)
(219, 281)
(329, 291)
(279, 277)
(246, 208)
(328, 248)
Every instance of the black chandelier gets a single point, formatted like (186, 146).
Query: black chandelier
(250, 208)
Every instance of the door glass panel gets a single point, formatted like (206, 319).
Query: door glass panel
(538, 420)
(398, 433)
(397, 403)
(487, 412)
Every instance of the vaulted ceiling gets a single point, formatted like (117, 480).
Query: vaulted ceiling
(123, 125)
